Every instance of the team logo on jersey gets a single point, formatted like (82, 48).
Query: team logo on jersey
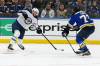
(28, 21)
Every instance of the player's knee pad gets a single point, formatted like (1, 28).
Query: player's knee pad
(16, 33)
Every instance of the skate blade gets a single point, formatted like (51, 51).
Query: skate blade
(82, 54)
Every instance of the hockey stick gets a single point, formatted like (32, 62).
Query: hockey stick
(51, 43)
(70, 45)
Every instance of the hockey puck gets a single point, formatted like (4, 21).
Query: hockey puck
(62, 49)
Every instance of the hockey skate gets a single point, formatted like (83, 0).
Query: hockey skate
(21, 46)
(10, 47)
(83, 53)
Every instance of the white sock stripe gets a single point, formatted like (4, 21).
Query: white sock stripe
(13, 38)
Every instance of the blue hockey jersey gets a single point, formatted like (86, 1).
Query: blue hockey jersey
(81, 19)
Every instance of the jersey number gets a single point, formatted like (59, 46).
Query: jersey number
(84, 17)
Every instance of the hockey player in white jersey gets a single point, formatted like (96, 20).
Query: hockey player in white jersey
(25, 21)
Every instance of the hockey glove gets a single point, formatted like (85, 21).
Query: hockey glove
(65, 32)
(76, 28)
(38, 30)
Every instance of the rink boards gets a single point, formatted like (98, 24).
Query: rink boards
(51, 28)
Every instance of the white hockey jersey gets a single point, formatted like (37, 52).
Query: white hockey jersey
(30, 22)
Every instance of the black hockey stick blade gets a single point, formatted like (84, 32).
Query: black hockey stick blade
(51, 43)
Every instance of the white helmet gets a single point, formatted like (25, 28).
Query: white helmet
(36, 10)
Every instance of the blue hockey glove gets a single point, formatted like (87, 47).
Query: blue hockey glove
(38, 30)
(65, 32)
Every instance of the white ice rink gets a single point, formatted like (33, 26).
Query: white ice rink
(45, 55)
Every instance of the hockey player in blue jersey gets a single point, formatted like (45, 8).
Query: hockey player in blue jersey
(25, 21)
(84, 26)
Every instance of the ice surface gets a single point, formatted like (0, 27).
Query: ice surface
(45, 55)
